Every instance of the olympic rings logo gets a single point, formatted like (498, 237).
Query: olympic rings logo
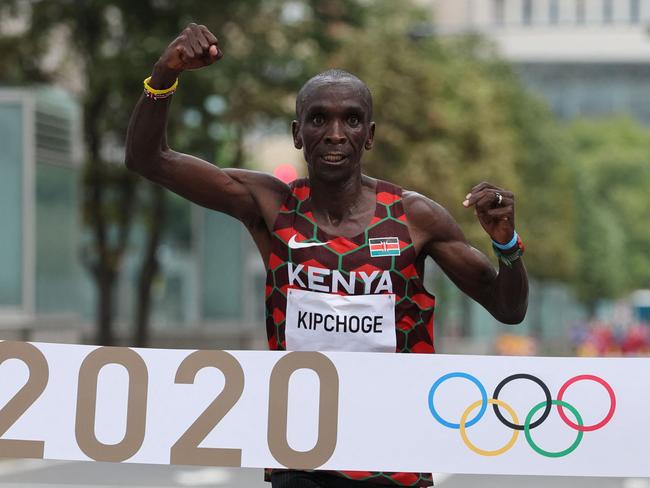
(528, 424)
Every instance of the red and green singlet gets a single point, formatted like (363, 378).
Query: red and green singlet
(361, 293)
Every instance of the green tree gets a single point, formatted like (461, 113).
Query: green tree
(546, 204)
(613, 176)
(110, 46)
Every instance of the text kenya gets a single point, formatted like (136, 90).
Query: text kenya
(333, 281)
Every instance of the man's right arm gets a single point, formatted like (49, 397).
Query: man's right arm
(249, 196)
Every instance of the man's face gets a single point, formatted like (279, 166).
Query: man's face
(334, 128)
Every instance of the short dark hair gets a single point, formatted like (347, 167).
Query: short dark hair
(332, 75)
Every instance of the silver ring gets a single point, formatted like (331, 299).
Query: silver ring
(499, 198)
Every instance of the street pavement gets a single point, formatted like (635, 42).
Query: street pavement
(55, 474)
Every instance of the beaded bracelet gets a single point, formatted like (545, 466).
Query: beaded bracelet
(510, 252)
(156, 94)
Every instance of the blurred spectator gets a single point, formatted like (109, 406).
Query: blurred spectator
(598, 338)
(516, 345)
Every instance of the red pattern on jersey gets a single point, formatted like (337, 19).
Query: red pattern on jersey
(414, 309)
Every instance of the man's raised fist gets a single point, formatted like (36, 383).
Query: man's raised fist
(194, 48)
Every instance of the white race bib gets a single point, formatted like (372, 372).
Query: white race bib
(330, 322)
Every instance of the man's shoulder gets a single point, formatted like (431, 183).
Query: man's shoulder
(427, 218)
(421, 208)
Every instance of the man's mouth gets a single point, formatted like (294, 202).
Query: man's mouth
(334, 157)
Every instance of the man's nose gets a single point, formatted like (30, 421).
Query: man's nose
(335, 134)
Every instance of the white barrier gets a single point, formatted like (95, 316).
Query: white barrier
(346, 411)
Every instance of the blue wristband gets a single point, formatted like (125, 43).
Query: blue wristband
(509, 245)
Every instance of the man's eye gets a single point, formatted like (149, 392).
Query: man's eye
(353, 120)
(318, 119)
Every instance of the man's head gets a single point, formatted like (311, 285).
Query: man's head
(329, 77)
(334, 123)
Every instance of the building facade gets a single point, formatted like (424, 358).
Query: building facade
(42, 284)
(210, 291)
(586, 57)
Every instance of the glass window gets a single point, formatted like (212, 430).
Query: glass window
(554, 12)
(527, 12)
(222, 267)
(608, 11)
(581, 12)
(11, 207)
(499, 7)
(59, 274)
(635, 11)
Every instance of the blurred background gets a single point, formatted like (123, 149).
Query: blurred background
(548, 98)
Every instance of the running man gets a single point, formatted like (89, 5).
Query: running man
(344, 252)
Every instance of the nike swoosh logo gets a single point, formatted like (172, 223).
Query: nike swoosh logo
(293, 244)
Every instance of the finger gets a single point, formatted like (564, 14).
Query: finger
(201, 39)
(507, 202)
(210, 55)
(191, 43)
(485, 202)
(489, 186)
(477, 191)
(193, 38)
(208, 35)
(500, 212)
(482, 186)
(214, 51)
(493, 200)
(499, 198)
(470, 199)
(200, 36)
(214, 54)
(483, 196)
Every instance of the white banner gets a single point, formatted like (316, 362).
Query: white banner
(344, 411)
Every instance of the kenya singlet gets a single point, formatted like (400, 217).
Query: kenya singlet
(363, 293)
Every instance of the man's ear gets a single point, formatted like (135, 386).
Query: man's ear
(295, 130)
(371, 137)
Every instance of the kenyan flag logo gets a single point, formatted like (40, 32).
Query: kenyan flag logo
(384, 246)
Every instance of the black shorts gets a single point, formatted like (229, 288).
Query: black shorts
(315, 479)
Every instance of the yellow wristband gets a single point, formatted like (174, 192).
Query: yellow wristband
(154, 91)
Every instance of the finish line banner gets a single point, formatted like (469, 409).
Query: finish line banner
(343, 411)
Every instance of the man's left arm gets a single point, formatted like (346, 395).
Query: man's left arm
(504, 293)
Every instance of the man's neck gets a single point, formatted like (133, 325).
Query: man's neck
(337, 201)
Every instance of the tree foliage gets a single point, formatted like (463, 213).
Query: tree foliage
(105, 48)
(613, 178)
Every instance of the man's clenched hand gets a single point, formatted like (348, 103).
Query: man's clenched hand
(194, 48)
(495, 209)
